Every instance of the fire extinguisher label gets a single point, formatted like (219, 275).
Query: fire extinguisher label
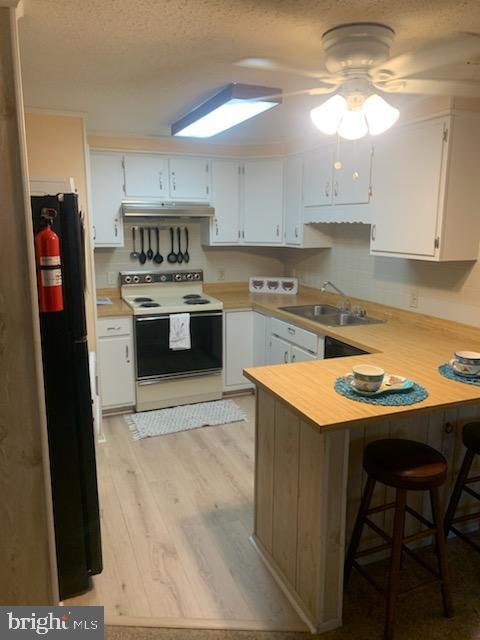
(49, 261)
(51, 277)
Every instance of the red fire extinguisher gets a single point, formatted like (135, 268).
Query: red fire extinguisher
(47, 251)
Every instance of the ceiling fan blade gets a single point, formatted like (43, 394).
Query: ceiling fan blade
(460, 88)
(314, 91)
(270, 65)
(453, 49)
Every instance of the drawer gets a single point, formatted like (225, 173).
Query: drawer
(114, 327)
(295, 335)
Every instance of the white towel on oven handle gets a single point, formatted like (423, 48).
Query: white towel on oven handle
(180, 338)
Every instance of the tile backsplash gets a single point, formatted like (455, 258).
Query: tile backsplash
(448, 290)
(218, 263)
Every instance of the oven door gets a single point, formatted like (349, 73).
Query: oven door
(156, 360)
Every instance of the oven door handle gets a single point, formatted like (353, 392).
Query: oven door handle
(199, 314)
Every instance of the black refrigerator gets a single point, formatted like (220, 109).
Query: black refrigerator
(69, 404)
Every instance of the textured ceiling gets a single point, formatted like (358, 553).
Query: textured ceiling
(136, 66)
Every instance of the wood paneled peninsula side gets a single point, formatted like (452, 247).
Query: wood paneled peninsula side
(309, 445)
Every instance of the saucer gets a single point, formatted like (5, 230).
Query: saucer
(391, 384)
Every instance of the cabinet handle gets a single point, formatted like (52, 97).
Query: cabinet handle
(293, 357)
(278, 230)
(174, 182)
(243, 235)
(216, 227)
(285, 357)
(94, 232)
(160, 180)
(327, 189)
(335, 189)
(127, 358)
(116, 227)
(113, 328)
(296, 231)
(291, 331)
(374, 232)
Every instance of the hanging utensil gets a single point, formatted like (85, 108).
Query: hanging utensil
(142, 256)
(179, 252)
(158, 258)
(150, 250)
(134, 254)
(186, 255)
(172, 256)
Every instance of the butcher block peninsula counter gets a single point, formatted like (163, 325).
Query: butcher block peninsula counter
(310, 440)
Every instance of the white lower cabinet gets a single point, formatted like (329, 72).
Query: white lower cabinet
(279, 351)
(116, 362)
(238, 348)
(289, 343)
(301, 355)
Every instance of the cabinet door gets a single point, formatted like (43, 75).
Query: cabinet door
(263, 202)
(260, 324)
(117, 377)
(107, 193)
(238, 346)
(317, 177)
(226, 201)
(408, 165)
(189, 178)
(351, 180)
(146, 175)
(279, 351)
(293, 200)
(301, 355)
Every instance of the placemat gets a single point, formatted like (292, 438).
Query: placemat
(447, 372)
(387, 399)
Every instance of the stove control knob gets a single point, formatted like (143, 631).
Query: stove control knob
(148, 278)
(178, 277)
(189, 276)
(197, 276)
(163, 278)
(136, 279)
(127, 279)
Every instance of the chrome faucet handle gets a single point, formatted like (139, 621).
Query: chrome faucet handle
(359, 311)
(344, 304)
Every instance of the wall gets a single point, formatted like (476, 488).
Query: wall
(56, 145)
(237, 264)
(446, 290)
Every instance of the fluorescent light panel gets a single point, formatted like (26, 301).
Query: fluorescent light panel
(234, 104)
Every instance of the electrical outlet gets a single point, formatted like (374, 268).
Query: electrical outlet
(413, 299)
(221, 275)
(112, 277)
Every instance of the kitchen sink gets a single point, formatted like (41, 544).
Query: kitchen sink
(331, 316)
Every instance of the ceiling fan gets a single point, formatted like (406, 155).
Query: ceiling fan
(357, 64)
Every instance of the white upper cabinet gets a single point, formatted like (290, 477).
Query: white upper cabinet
(107, 186)
(189, 178)
(263, 201)
(426, 190)
(352, 171)
(146, 175)
(225, 227)
(318, 177)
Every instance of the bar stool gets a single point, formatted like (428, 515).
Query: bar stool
(404, 465)
(471, 439)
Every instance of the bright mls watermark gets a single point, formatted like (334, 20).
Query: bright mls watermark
(60, 622)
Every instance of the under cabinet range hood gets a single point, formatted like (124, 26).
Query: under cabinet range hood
(166, 209)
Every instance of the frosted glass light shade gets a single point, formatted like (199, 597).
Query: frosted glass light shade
(379, 114)
(328, 115)
(353, 125)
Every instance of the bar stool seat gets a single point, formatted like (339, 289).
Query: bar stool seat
(404, 465)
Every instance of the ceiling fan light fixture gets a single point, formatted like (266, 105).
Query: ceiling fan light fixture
(328, 115)
(379, 115)
(353, 125)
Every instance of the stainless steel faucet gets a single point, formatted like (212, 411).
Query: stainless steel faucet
(345, 303)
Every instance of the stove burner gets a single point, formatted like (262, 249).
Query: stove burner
(197, 301)
(150, 304)
(192, 296)
(142, 300)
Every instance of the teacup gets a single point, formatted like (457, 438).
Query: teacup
(467, 363)
(367, 377)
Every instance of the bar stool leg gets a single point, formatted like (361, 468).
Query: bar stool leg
(357, 529)
(394, 577)
(441, 552)
(457, 490)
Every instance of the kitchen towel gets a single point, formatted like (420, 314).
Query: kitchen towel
(180, 332)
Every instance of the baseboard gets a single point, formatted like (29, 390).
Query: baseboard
(201, 623)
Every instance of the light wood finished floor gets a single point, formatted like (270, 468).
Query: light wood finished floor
(177, 514)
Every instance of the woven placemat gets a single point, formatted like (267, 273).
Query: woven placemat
(447, 372)
(387, 398)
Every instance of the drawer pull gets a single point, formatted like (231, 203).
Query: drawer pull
(291, 331)
(113, 328)
(285, 357)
